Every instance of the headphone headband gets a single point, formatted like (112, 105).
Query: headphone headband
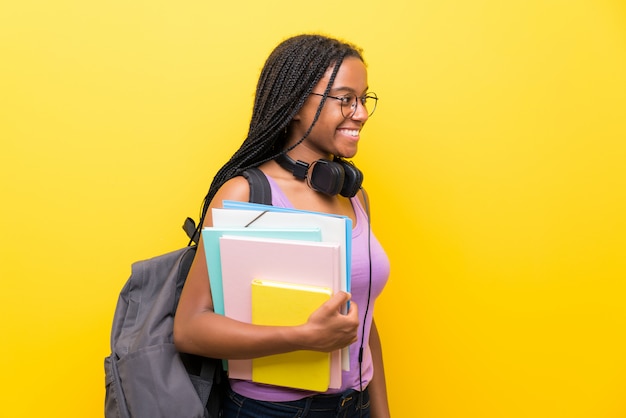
(298, 168)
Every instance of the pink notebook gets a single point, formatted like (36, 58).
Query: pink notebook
(245, 259)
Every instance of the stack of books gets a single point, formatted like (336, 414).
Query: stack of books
(275, 266)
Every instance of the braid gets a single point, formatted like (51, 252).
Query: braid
(289, 75)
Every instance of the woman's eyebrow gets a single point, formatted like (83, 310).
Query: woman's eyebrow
(348, 89)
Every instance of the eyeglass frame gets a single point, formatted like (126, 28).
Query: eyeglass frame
(370, 95)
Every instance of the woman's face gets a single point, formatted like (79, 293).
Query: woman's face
(333, 134)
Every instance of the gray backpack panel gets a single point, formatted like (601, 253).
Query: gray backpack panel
(145, 376)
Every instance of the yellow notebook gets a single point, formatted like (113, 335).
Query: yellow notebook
(279, 303)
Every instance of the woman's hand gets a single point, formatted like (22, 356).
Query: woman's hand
(327, 328)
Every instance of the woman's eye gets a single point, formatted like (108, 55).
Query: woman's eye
(346, 100)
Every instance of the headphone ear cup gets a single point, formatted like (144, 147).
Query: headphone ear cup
(353, 178)
(326, 177)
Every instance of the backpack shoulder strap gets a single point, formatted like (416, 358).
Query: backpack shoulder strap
(260, 190)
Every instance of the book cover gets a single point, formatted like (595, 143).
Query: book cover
(211, 236)
(334, 228)
(309, 216)
(281, 303)
(245, 259)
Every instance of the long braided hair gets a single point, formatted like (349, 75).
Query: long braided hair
(288, 77)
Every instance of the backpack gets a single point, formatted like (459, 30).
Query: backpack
(145, 377)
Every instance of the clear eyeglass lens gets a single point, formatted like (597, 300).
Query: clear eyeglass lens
(349, 104)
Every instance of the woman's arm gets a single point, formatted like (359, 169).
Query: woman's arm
(378, 386)
(198, 330)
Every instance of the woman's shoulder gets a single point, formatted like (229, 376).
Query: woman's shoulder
(236, 188)
(362, 197)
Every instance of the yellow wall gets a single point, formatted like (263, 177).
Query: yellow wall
(496, 165)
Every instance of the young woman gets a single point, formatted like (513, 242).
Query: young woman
(312, 101)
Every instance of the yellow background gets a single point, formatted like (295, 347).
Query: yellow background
(495, 163)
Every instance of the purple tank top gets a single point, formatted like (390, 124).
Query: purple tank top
(360, 282)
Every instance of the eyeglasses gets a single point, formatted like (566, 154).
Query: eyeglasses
(349, 103)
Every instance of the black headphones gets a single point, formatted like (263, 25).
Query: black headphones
(329, 177)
